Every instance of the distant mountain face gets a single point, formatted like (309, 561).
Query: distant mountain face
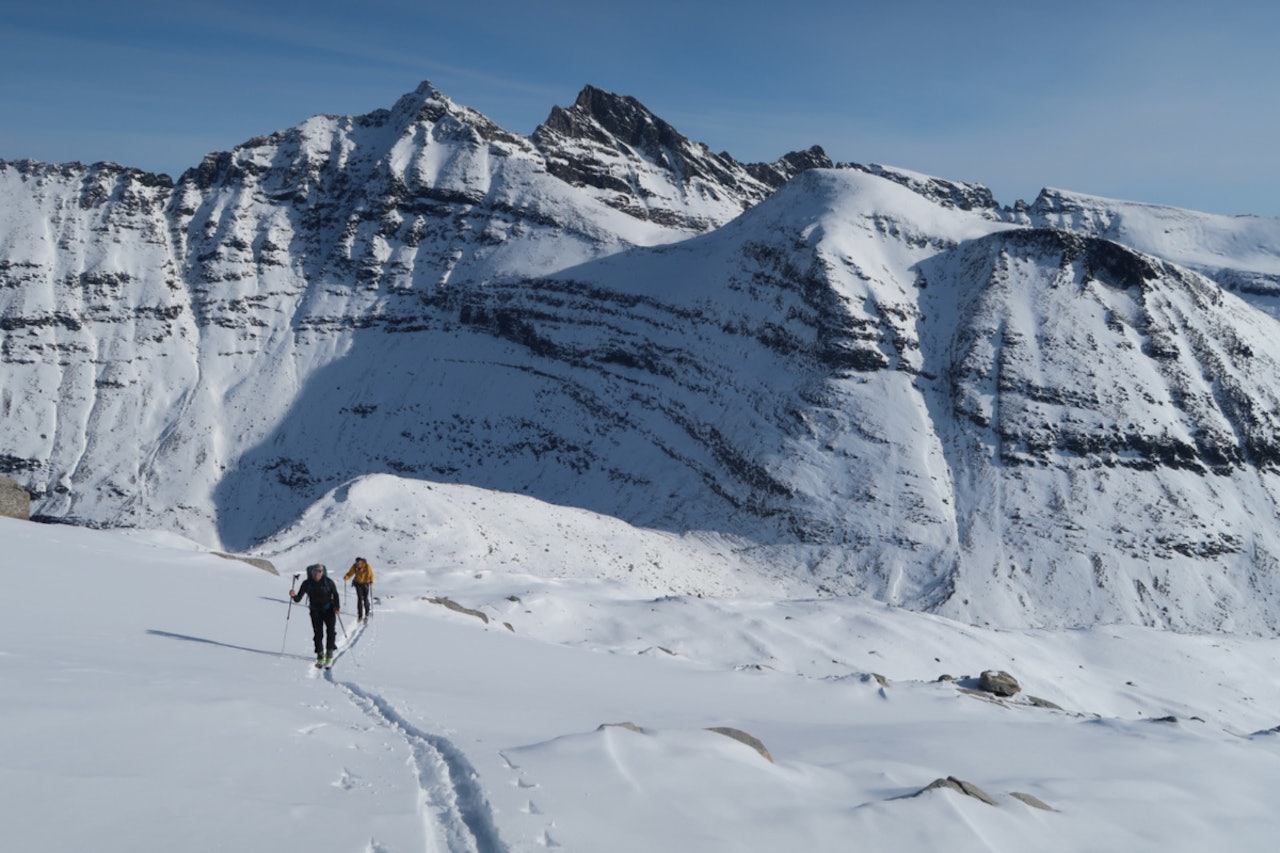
(880, 380)
(1241, 253)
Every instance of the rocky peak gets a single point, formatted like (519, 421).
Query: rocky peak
(795, 162)
(428, 105)
(788, 166)
(606, 118)
(426, 102)
(618, 124)
(640, 164)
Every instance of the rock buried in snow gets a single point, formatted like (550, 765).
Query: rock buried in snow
(998, 682)
(728, 731)
(256, 562)
(1032, 800)
(967, 788)
(743, 737)
(453, 605)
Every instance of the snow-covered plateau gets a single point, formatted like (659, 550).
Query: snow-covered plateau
(686, 481)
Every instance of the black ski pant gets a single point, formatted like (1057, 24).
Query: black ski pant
(322, 622)
(362, 599)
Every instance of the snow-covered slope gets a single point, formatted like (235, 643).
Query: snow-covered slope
(1242, 253)
(160, 698)
(1006, 424)
(869, 380)
(1111, 434)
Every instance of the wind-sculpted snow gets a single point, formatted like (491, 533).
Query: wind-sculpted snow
(876, 378)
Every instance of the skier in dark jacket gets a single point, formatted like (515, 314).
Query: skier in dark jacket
(324, 601)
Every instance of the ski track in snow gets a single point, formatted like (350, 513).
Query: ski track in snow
(455, 810)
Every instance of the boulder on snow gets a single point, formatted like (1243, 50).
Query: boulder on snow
(14, 500)
(998, 682)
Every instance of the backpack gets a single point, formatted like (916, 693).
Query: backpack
(323, 595)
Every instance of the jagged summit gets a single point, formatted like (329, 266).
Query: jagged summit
(789, 165)
(607, 118)
(427, 106)
(640, 164)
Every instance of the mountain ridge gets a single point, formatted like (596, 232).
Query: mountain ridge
(880, 380)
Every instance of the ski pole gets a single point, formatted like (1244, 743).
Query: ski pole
(288, 613)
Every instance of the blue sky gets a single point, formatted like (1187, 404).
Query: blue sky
(1166, 102)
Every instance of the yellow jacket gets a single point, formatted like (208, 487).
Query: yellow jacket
(360, 569)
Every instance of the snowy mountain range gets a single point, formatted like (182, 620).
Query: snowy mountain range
(868, 379)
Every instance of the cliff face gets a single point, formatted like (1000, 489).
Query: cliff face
(879, 380)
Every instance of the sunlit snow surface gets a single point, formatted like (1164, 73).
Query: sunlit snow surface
(148, 704)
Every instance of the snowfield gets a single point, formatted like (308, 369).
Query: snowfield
(159, 697)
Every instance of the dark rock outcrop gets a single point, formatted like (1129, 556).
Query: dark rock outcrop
(999, 683)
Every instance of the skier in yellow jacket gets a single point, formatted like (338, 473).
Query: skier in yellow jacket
(363, 580)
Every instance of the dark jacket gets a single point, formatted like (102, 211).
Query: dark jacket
(323, 594)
